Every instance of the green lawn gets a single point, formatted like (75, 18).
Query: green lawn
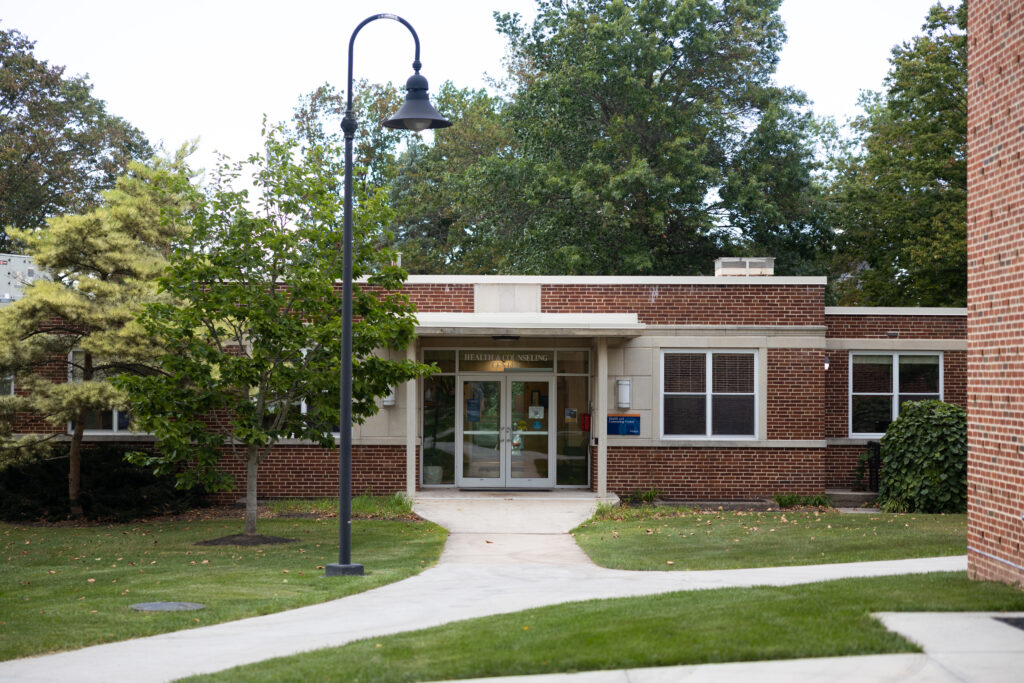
(66, 587)
(659, 538)
(726, 625)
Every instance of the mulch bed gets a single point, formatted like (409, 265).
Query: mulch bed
(243, 539)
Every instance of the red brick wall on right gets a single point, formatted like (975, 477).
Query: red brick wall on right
(995, 292)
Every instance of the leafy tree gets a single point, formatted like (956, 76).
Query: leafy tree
(318, 120)
(257, 334)
(774, 193)
(441, 192)
(900, 197)
(102, 268)
(637, 137)
(59, 148)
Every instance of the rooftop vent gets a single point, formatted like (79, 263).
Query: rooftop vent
(744, 266)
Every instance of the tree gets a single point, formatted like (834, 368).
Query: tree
(636, 138)
(253, 340)
(900, 197)
(774, 193)
(102, 268)
(59, 148)
(441, 192)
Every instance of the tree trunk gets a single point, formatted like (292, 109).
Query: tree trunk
(252, 463)
(75, 466)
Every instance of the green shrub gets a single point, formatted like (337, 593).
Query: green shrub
(792, 500)
(924, 459)
(641, 497)
(112, 489)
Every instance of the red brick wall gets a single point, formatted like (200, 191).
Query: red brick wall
(312, 472)
(796, 394)
(908, 326)
(954, 377)
(841, 467)
(716, 473)
(837, 387)
(32, 423)
(693, 304)
(435, 298)
(995, 292)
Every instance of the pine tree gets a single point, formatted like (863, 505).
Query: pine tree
(102, 268)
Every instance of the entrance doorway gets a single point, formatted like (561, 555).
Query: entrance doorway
(507, 439)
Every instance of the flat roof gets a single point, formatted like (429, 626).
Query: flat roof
(525, 324)
(612, 280)
(893, 310)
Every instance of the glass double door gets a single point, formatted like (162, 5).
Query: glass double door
(507, 440)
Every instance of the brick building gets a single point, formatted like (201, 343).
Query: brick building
(995, 291)
(729, 387)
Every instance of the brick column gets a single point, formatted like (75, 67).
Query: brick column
(995, 291)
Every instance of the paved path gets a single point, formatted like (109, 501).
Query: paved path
(490, 566)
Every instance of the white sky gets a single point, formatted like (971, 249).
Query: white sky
(210, 69)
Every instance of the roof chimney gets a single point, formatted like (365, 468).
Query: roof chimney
(744, 266)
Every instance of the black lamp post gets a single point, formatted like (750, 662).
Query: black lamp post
(416, 114)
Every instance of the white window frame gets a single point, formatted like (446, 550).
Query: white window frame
(894, 392)
(115, 413)
(709, 394)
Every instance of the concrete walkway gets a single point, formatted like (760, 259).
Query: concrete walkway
(505, 554)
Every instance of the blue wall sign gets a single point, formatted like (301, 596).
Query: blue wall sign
(623, 425)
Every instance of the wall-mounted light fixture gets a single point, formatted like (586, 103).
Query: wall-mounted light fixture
(622, 394)
(826, 362)
(389, 398)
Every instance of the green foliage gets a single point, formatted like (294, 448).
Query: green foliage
(112, 489)
(792, 500)
(395, 506)
(900, 195)
(642, 497)
(101, 268)
(254, 328)
(442, 193)
(924, 459)
(59, 148)
(632, 138)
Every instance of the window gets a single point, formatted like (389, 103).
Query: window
(112, 420)
(708, 394)
(882, 382)
(7, 385)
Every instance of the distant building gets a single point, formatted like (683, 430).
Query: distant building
(15, 272)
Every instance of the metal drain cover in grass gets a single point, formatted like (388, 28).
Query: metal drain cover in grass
(166, 606)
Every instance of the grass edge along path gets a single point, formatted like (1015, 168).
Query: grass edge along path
(670, 538)
(66, 587)
(825, 619)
